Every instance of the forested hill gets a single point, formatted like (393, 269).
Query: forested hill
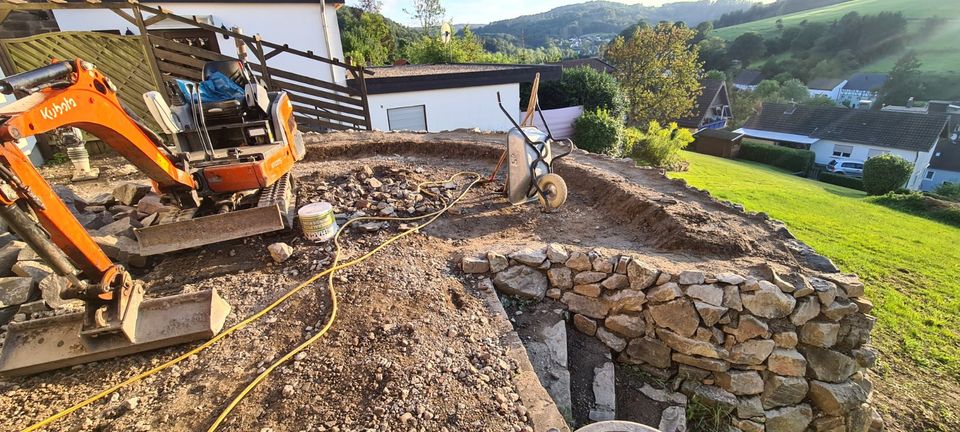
(777, 8)
(604, 17)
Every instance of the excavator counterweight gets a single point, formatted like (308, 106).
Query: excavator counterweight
(226, 164)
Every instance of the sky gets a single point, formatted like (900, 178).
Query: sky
(485, 11)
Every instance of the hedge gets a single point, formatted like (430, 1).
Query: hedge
(885, 173)
(794, 160)
(921, 205)
(841, 180)
(599, 132)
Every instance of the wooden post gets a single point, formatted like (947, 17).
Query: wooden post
(363, 96)
(263, 63)
(241, 46)
(148, 52)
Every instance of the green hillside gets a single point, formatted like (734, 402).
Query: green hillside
(938, 49)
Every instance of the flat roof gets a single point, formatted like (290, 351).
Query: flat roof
(407, 78)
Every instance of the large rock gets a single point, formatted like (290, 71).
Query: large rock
(588, 306)
(641, 274)
(673, 419)
(8, 256)
(716, 397)
(627, 301)
(709, 313)
(731, 298)
(821, 334)
(840, 309)
(850, 283)
(589, 290)
(749, 407)
(588, 277)
(836, 399)
(628, 326)
(560, 277)
(715, 365)
(611, 340)
(130, 193)
(616, 281)
(748, 328)
(740, 383)
(768, 301)
(664, 293)
(828, 365)
(691, 277)
(730, 278)
(521, 281)
(787, 362)
(17, 290)
(585, 325)
(579, 261)
(855, 331)
(498, 262)
(32, 269)
(806, 309)
(751, 352)
(781, 391)
(530, 257)
(650, 351)
(556, 253)
(678, 315)
(690, 346)
(710, 294)
(826, 291)
(789, 419)
(280, 252)
(474, 265)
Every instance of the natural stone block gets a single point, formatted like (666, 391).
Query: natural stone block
(731, 278)
(678, 315)
(828, 424)
(836, 399)
(716, 397)
(622, 264)
(864, 305)
(806, 309)
(710, 314)
(821, 334)
(748, 426)
(521, 281)
(628, 326)
(692, 277)
(591, 307)
(710, 294)
(751, 352)
(589, 290)
(828, 365)
(530, 257)
(850, 283)
(740, 383)
(615, 281)
(826, 291)
(748, 328)
(749, 407)
(588, 277)
(611, 340)
(650, 351)
(556, 253)
(690, 346)
(855, 331)
(664, 293)
(768, 301)
(788, 362)
(560, 277)
(497, 262)
(781, 391)
(586, 325)
(628, 301)
(641, 274)
(710, 364)
(787, 339)
(130, 193)
(474, 265)
(839, 310)
(17, 290)
(731, 298)
(579, 261)
(789, 419)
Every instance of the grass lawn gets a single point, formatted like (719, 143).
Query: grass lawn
(911, 265)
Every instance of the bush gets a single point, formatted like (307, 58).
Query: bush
(949, 191)
(921, 205)
(658, 146)
(841, 180)
(598, 131)
(580, 86)
(885, 173)
(794, 160)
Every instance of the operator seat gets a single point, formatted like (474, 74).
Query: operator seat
(228, 111)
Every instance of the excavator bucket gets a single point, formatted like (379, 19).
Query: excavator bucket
(56, 342)
(272, 213)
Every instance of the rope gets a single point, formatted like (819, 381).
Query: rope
(328, 272)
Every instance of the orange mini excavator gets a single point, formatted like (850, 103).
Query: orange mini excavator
(227, 170)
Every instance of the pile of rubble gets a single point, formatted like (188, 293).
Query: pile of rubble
(774, 352)
(30, 289)
(386, 192)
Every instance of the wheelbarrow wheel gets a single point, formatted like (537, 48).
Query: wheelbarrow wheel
(554, 191)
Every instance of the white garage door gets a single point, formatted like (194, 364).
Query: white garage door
(413, 118)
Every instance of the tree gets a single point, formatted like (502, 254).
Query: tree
(794, 90)
(658, 71)
(768, 90)
(657, 145)
(462, 48)
(703, 31)
(428, 12)
(904, 81)
(369, 41)
(370, 6)
(715, 75)
(747, 47)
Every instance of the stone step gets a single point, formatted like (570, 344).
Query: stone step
(546, 343)
(604, 393)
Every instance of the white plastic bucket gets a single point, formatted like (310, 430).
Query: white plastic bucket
(317, 221)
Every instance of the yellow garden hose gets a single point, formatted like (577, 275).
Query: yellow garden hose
(136, 378)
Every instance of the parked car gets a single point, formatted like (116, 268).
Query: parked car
(850, 168)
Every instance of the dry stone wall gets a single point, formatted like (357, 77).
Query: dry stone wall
(777, 352)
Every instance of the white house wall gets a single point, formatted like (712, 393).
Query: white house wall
(939, 177)
(824, 153)
(448, 109)
(300, 25)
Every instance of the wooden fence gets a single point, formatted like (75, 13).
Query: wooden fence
(142, 63)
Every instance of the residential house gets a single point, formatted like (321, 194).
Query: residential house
(590, 62)
(843, 133)
(450, 96)
(711, 109)
(828, 87)
(309, 25)
(861, 87)
(748, 79)
(944, 165)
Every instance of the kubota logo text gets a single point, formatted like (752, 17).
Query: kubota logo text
(54, 111)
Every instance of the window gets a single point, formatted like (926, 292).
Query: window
(412, 118)
(842, 150)
(876, 152)
(930, 175)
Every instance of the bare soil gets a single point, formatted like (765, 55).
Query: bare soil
(413, 346)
